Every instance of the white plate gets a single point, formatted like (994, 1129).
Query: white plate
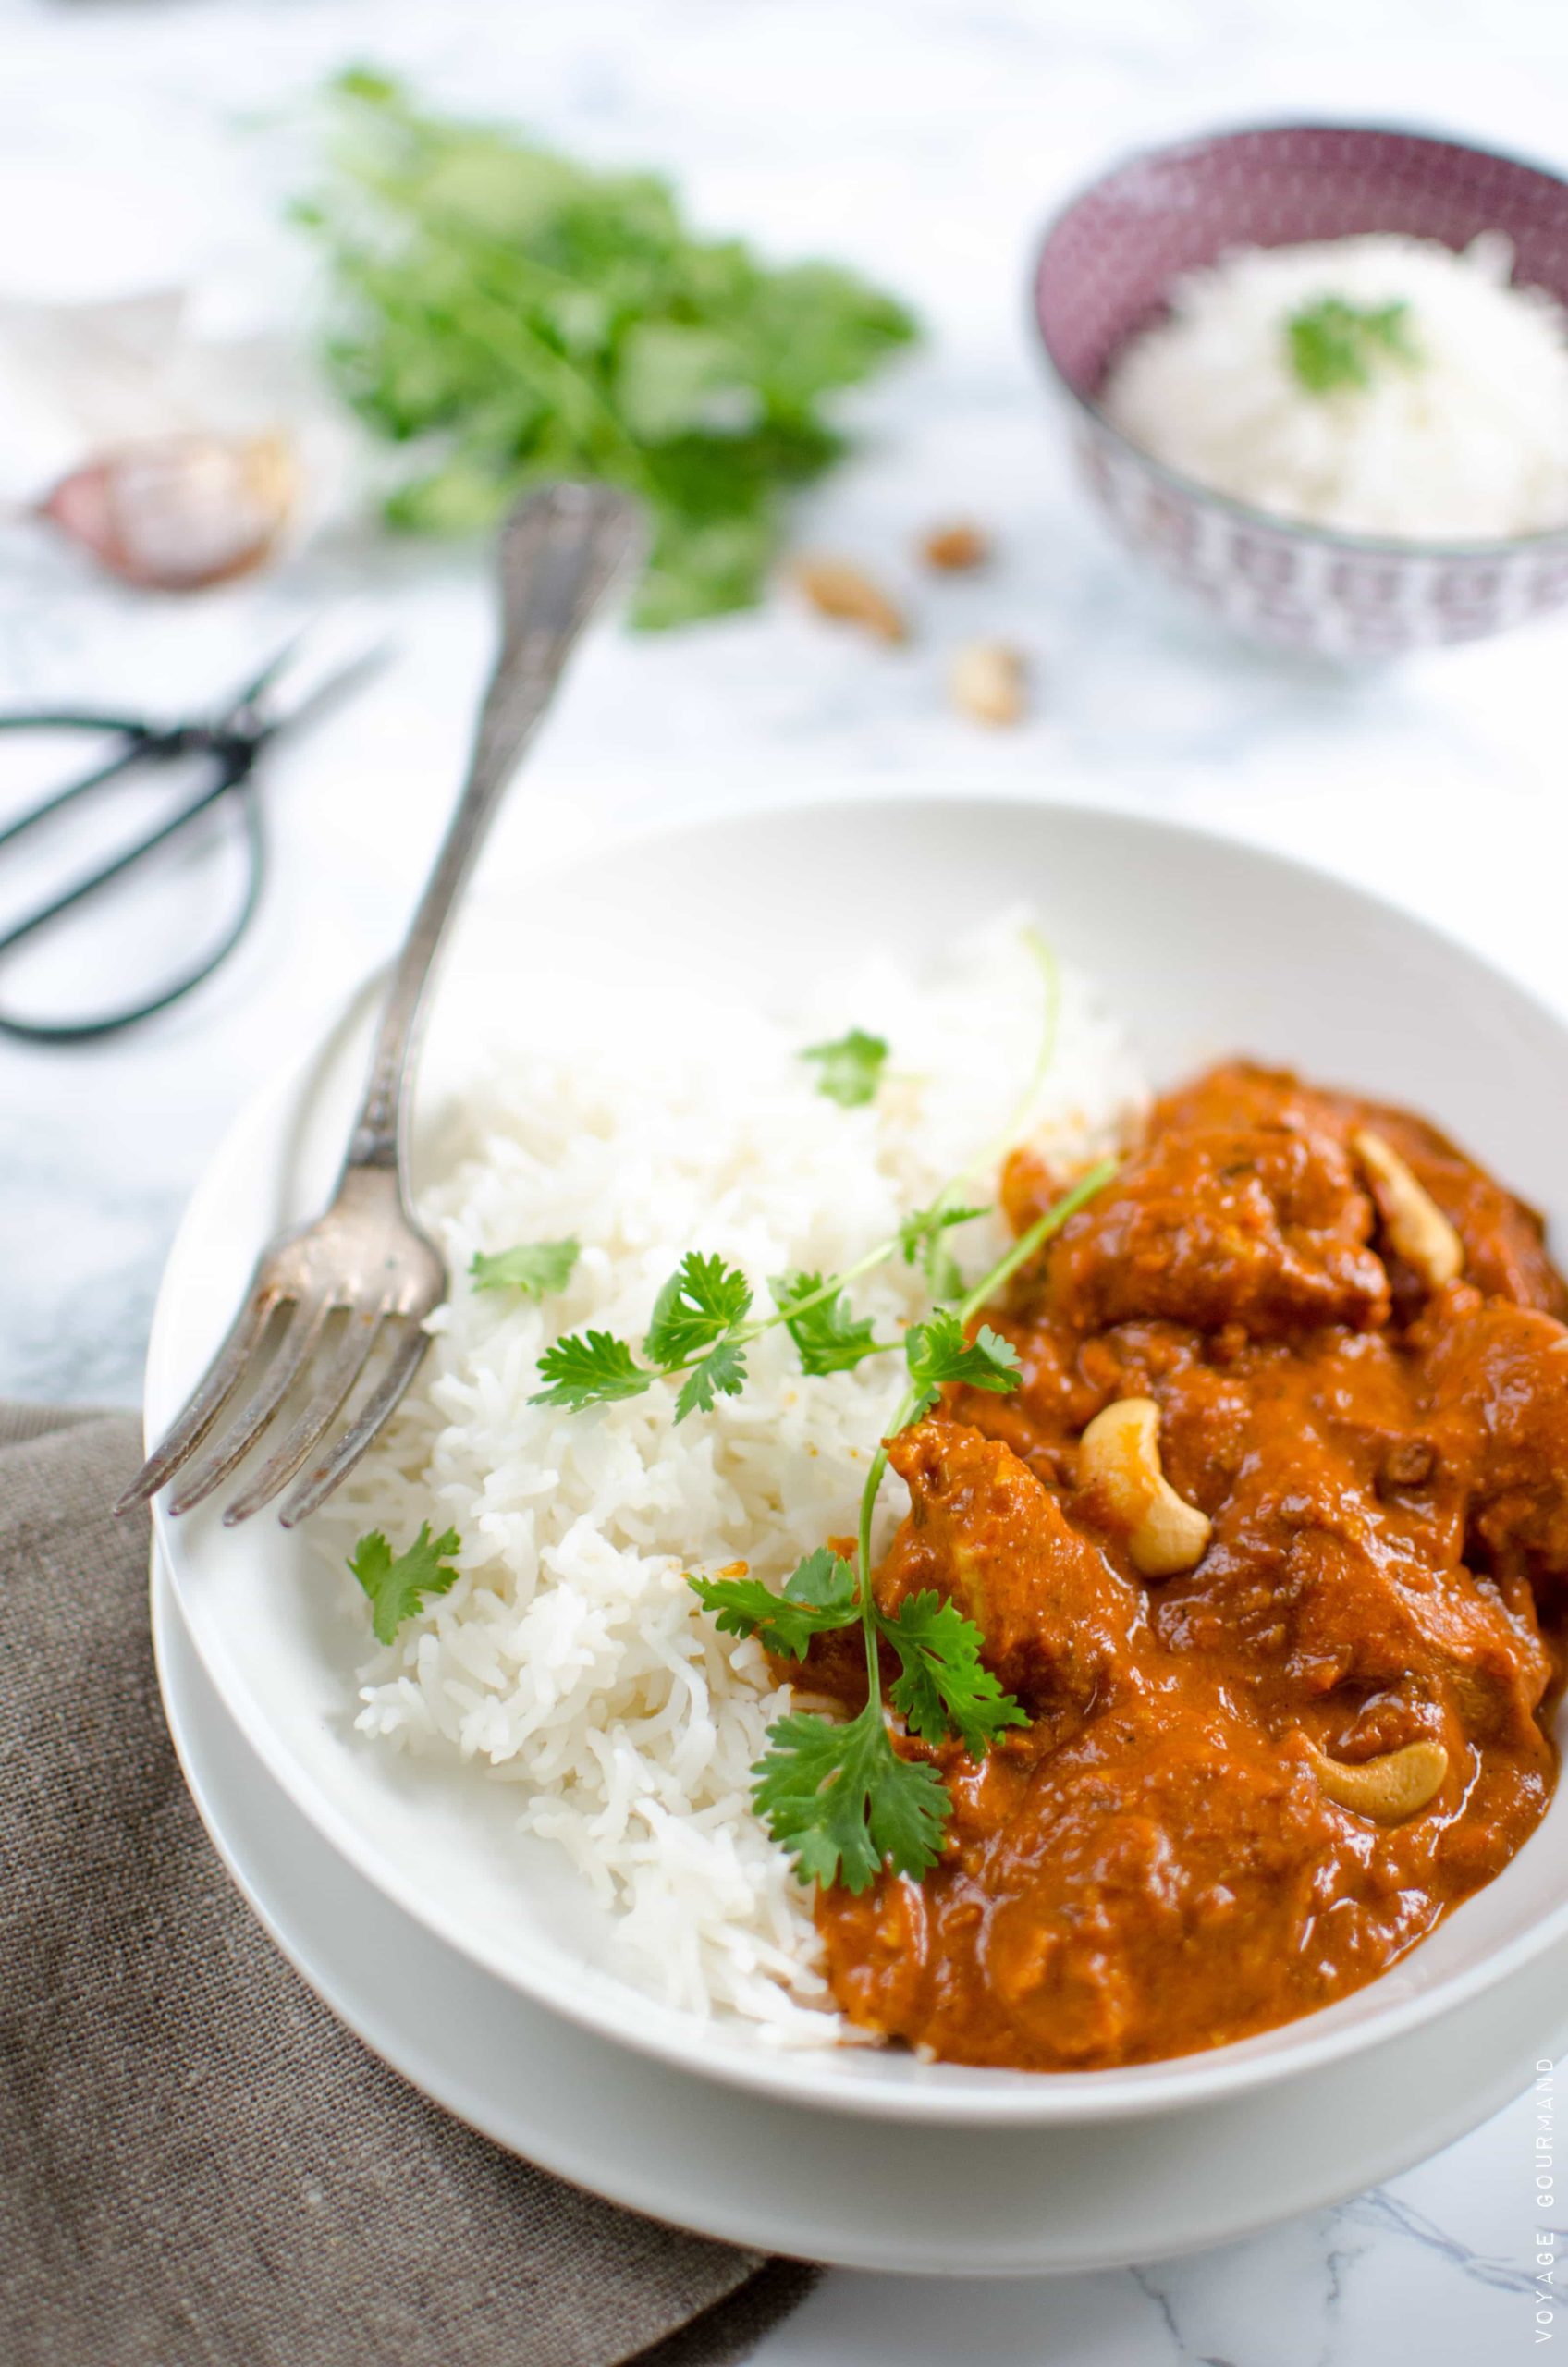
(1205, 947)
(1009, 2202)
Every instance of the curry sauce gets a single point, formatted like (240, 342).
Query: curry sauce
(1157, 1862)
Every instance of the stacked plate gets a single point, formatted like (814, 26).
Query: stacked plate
(480, 1967)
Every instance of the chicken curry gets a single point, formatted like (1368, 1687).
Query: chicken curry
(1270, 1544)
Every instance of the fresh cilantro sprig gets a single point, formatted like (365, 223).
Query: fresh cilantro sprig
(938, 1354)
(532, 1266)
(699, 1334)
(923, 1237)
(502, 314)
(944, 1685)
(697, 1329)
(399, 1584)
(842, 1802)
(837, 1796)
(584, 1369)
(827, 1337)
(820, 1596)
(596, 1369)
(1334, 345)
(849, 1069)
(703, 1300)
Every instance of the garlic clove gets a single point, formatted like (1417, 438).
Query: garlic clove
(178, 512)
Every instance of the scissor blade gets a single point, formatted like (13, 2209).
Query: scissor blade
(316, 666)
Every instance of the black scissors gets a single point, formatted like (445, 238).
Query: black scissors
(222, 751)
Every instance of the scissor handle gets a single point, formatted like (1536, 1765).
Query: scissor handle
(234, 755)
(137, 738)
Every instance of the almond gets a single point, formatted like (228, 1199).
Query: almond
(835, 587)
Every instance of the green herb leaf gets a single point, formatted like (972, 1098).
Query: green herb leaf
(944, 1689)
(828, 1337)
(851, 1069)
(841, 1801)
(589, 1368)
(924, 1226)
(397, 1584)
(1334, 345)
(722, 1372)
(820, 1597)
(938, 1352)
(703, 1300)
(922, 1237)
(504, 314)
(533, 1267)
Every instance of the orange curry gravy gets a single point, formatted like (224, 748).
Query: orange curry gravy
(1151, 1865)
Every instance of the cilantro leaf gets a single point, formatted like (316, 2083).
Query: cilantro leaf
(922, 1227)
(399, 1584)
(944, 1689)
(589, 1368)
(533, 1267)
(937, 1353)
(504, 314)
(828, 1337)
(922, 1236)
(723, 1370)
(820, 1596)
(840, 1800)
(703, 1300)
(944, 1277)
(850, 1068)
(1334, 345)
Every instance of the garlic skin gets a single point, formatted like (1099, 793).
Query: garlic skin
(176, 513)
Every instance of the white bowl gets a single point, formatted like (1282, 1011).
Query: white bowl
(1206, 947)
(748, 2169)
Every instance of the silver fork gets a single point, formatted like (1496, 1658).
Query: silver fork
(360, 1281)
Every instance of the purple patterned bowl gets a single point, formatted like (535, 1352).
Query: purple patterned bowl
(1105, 267)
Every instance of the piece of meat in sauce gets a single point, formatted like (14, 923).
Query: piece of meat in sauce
(1504, 1242)
(1499, 1380)
(1209, 1226)
(1151, 1865)
(982, 1530)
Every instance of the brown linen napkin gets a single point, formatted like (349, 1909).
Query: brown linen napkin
(198, 2167)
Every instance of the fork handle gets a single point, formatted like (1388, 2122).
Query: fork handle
(560, 550)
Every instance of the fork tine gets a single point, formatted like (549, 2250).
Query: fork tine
(207, 1399)
(378, 1409)
(340, 1372)
(240, 1434)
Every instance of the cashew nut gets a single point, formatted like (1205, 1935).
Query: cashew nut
(955, 548)
(1390, 1788)
(1119, 1455)
(987, 682)
(1416, 1226)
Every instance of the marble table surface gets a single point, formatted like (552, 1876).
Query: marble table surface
(143, 145)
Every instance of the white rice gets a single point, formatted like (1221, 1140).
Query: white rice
(1469, 443)
(570, 1659)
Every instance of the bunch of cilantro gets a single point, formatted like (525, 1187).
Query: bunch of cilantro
(511, 316)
